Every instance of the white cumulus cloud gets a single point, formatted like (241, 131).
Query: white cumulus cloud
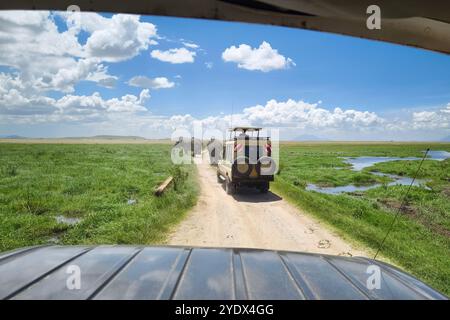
(191, 45)
(119, 38)
(47, 58)
(151, 83)
(15, 107)
(302, 114)
(264, 58)
(432, 119)
(175, 56)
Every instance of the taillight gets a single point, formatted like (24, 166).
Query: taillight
(238, 147)
(268, 150)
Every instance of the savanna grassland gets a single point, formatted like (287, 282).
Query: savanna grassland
(420, 239)
(107, 189)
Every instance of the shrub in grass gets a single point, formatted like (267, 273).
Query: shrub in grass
(9, 170)
(179, 175)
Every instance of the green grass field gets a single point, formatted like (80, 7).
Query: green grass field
(420, 240)
(93, 183)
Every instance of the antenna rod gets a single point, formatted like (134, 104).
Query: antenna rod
(402, 204)
(231, 118)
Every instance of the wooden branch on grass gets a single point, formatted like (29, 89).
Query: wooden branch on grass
(160, 190)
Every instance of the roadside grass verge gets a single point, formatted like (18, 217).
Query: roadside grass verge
(419, 241)
(430, 207)
(108, 188)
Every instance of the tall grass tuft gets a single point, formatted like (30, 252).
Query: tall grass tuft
(9, 170)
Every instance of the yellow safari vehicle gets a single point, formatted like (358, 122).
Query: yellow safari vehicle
(246, 160)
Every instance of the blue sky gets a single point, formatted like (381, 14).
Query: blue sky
(339, 70)
(384, 91)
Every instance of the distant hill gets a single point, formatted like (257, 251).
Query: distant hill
(309, 137)
(11, 136)
(98, 137)
(108, 137)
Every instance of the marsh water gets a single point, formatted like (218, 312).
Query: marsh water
(398, 180)
(359, 163)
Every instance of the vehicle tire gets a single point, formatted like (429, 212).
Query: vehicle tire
(267, 171)
(230, 188)
(245, 169)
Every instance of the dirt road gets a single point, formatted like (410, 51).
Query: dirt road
(253, 220)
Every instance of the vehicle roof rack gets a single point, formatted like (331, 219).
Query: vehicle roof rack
(245, 129)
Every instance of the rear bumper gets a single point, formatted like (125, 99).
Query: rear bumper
(246, 180)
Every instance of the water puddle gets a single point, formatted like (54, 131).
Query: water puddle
(131, 201)
(67, 220)
(338, 190)
(398, 180)
(403, 181)
(360, 163)
(438, 155)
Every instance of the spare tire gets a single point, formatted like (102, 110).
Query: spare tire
(242, 167)
(267, 165)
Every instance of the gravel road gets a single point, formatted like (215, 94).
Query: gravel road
(253, 220)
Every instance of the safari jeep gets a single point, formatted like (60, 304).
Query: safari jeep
(246, 160)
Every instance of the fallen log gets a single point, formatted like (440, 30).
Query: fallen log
(160, 190)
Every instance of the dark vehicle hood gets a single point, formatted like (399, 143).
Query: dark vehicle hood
(136, 272)
(418, 23)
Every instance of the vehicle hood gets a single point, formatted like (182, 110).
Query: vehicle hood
(165, 272)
